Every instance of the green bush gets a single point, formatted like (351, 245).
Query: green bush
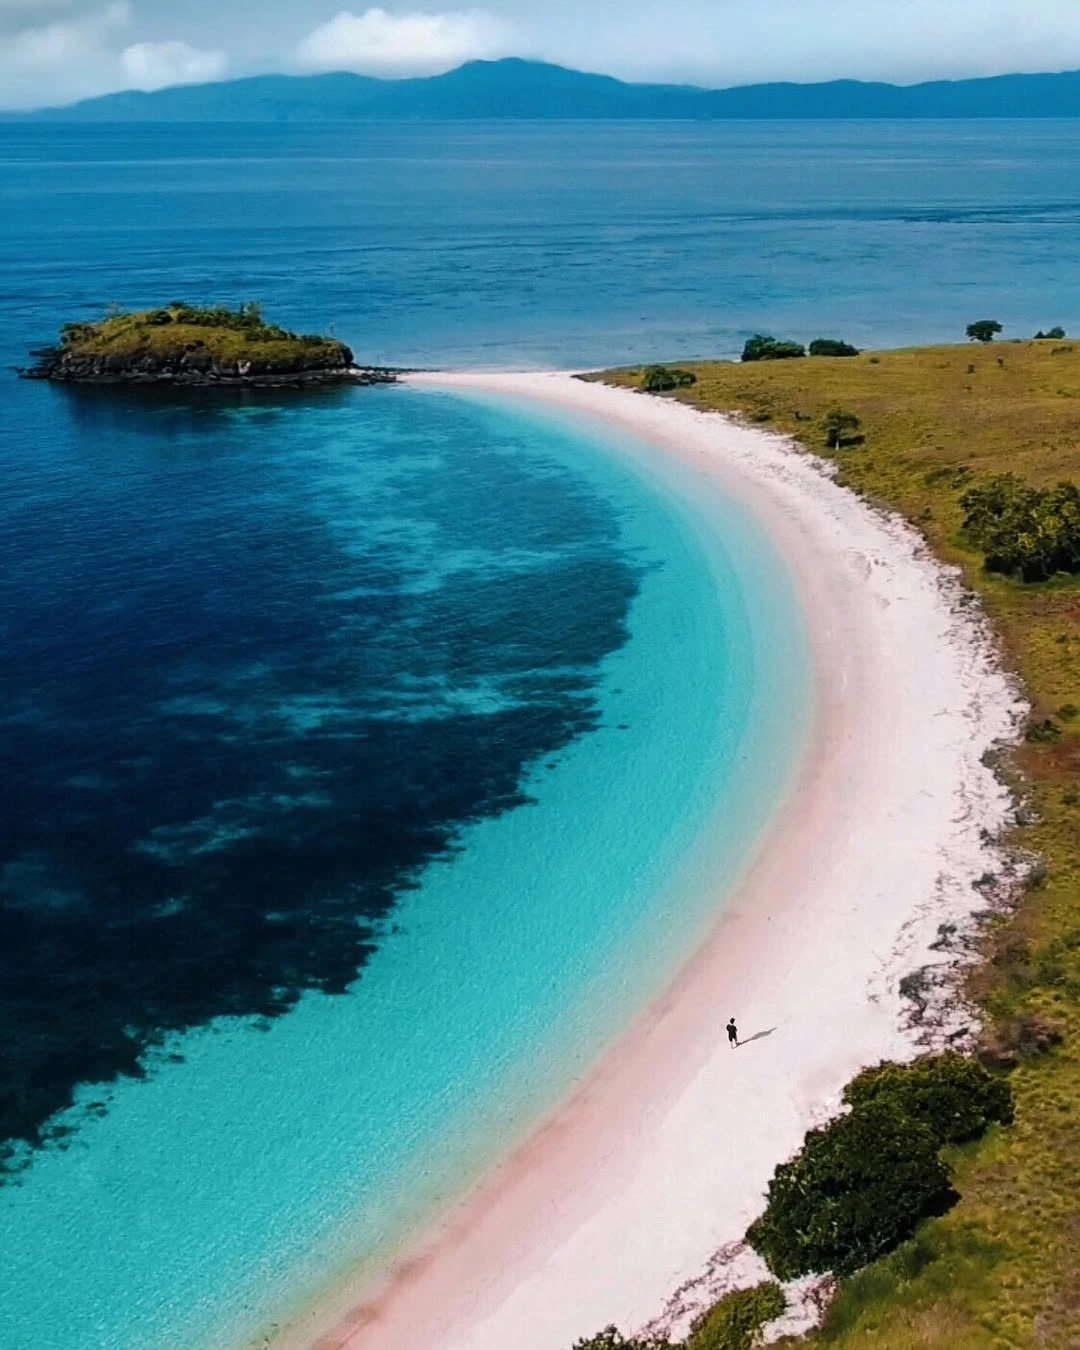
(832, 347)
(1022, 530)
(857, 1188)
(1056, 334)
(612, 1339)
(733, 1323)
(763, 348)
(953, 1096)
(841, 427)
(659, 379)
(71, 333)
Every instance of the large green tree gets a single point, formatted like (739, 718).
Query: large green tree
(952, 1095)
(1024, 531)
(983, 330)
(857, 1188)
(762, 347)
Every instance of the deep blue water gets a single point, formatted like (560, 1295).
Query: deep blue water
(263, 656)
(268, 656)
(550, 244)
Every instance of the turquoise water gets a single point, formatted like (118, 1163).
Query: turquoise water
(227, 1189)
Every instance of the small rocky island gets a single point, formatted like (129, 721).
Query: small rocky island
(190, 345)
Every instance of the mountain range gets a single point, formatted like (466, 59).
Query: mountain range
(514, 88)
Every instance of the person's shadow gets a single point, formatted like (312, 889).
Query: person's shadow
(757, 1036)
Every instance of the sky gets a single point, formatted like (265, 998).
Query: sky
(55, 51)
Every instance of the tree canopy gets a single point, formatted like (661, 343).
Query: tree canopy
(660, 379)
(761, 347)
(858, 1187)
(841, 426)
(832, 347)
(953, 1096)
(1024, 531)
(861, 1184)
(983, 330)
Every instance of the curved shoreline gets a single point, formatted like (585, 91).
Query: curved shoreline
(658, 1162)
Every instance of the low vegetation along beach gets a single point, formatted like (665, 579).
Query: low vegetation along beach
(915, 900)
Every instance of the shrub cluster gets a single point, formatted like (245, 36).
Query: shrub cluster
(953, 1096)
(861, 1184)
(612, 1339)
(1055, 334)
(832, 347)
(1024, 531)
(246, 318)
(659, 379)
(731, 1324)
(734, 1322)
(763, 348)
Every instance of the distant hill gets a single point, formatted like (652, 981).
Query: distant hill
(528, 89)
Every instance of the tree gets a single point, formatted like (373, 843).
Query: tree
(761, 347)
(840, 427)
(832, 347)
(659, 379)
(1055, 333)
(858, 1187)
(953, 1096)
(983, 330)
(1022, 530)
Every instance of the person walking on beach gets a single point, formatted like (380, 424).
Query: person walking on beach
(733, 1034)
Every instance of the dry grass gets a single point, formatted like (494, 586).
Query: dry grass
(1003, 1268)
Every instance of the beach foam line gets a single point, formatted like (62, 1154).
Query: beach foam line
(628, 1205)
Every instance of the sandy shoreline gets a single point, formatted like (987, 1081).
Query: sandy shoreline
(659, 1161)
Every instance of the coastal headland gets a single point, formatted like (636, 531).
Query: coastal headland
(181, 344)
(629, 1204)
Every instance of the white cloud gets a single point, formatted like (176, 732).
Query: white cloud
(153, 65)
(723, 42)
(78, 57)
(378, 43)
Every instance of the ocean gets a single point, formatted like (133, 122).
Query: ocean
(373, 755)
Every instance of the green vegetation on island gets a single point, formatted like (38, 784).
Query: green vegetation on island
(939, 427)
(190, 344)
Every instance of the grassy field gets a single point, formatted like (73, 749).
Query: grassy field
(1002, 1269)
